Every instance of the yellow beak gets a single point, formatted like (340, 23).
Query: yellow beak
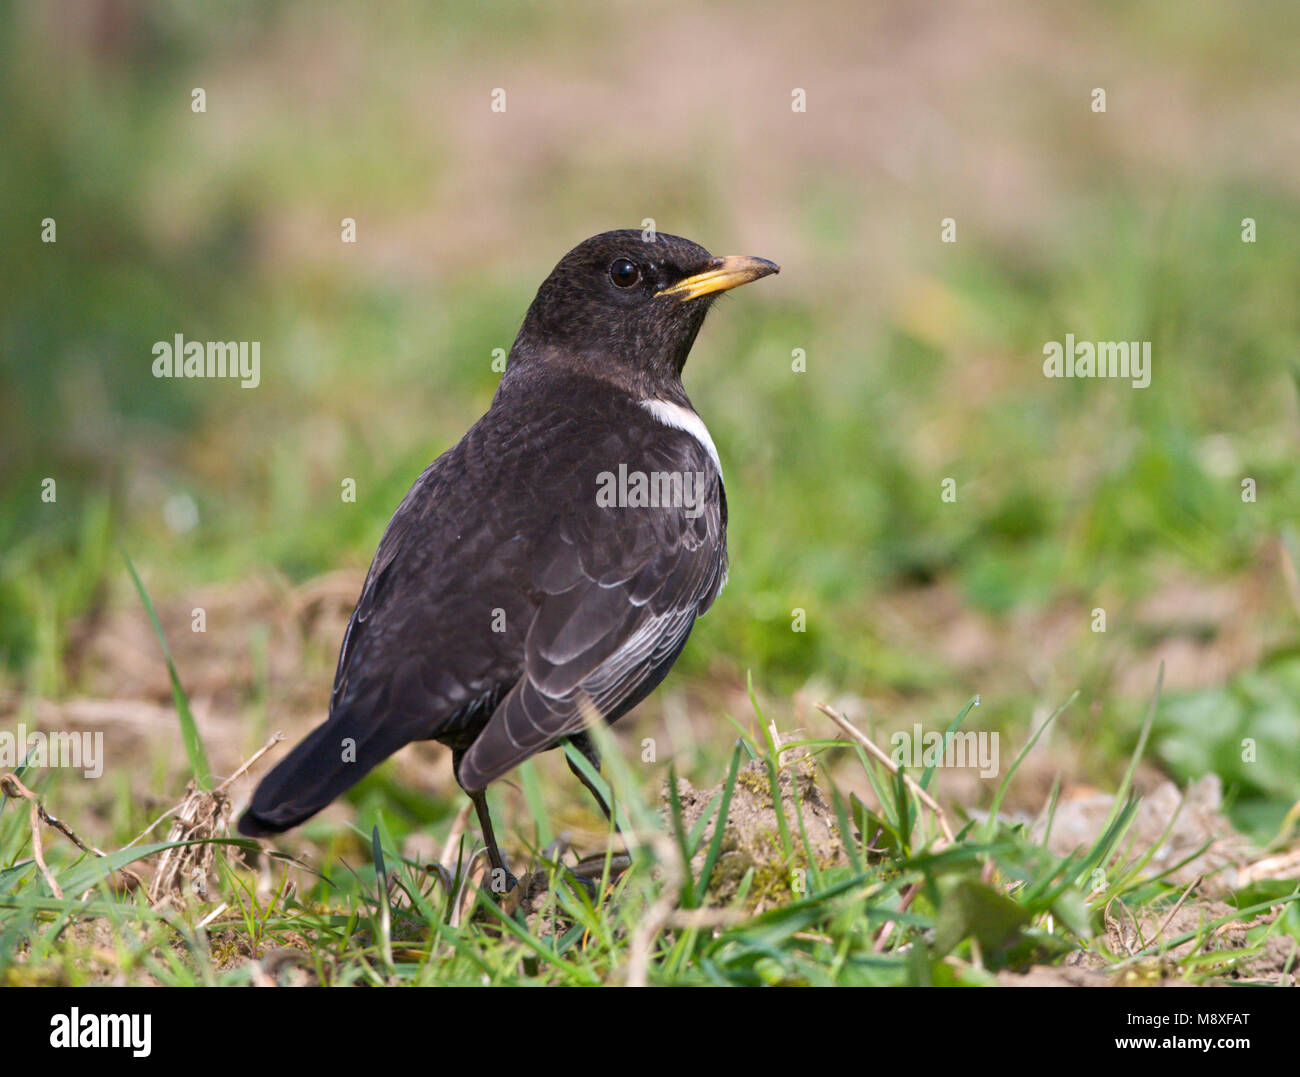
(722, 275)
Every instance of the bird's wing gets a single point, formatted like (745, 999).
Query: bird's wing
(620, 590)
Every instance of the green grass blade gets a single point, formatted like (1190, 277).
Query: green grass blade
(198, 757)
(715, 845)
(928, 774)
(992, 822)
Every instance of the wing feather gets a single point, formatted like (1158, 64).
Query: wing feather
(623, 588)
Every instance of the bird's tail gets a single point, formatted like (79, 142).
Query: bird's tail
(328, 762)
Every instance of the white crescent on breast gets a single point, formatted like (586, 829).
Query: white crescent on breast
(681, 418)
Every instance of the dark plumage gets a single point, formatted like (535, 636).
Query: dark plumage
(504, 595)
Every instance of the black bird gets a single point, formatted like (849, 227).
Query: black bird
(528, 575)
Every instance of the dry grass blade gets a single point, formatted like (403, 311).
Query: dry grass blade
(1178, 905)
(883, 758)
(201, 814)
(454, 835)
(1282, 866)
(660, 913)
(13, 787)
(243, 769)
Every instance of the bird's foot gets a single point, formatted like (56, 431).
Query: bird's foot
(593, 866)
(588, 872)
(587, 885)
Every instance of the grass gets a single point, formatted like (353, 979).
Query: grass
(904, 902)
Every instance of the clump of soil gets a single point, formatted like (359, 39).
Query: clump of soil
(751, 839)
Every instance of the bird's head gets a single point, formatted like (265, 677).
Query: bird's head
(627, 307)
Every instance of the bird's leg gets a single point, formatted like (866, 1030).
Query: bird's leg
(583, 743)
(620, 861)
(502, 882)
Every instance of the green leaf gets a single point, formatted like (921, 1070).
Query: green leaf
(536, 803)
(199, 766)
(10, 877)
(970, 909)
(1072, 911)
(86, 874)
(1261, 890)
(991, 825)
(715, 845)
(679, 833)
(928, 774)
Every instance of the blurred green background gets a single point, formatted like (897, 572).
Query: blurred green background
(924, 359)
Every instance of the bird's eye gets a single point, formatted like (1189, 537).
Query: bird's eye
(624, 273)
